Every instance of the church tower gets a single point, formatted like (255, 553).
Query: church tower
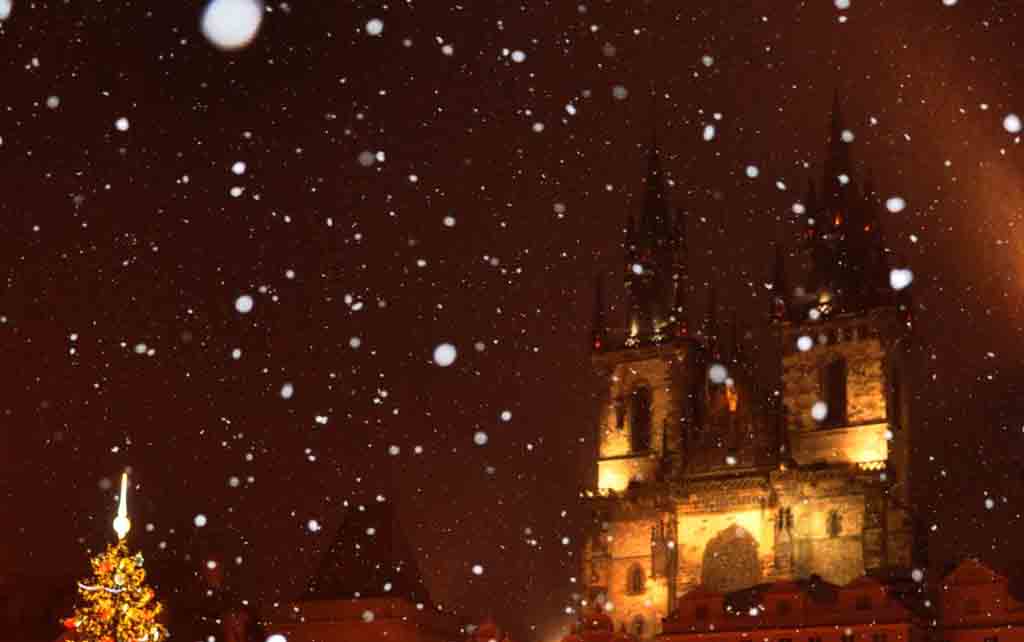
(709, 480)
(844, 342)
(650, 375)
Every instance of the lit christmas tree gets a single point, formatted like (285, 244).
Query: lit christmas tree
(114, 604)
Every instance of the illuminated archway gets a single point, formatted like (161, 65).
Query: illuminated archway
(730, 561)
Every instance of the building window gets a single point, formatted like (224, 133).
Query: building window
(814, 638)
(784, 608)
(834, 524)
(640, 420)
(846, 637)
(702, 612)
(833, 391)
(638, 626)
(635, 581)
(864, 603)
(879, 637)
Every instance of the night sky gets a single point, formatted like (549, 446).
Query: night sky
(124, 252)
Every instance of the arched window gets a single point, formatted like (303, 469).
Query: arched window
(636, 580)
(833, 391)
(835, 524)
(640, 420)
(638, 626)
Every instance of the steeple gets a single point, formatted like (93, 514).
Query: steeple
(655, 228)
(710, 329)
(838, 167)
(843, 234)
(778, 305)
(655, 269)
(599, 331)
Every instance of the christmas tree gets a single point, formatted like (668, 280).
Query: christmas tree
(114, 604)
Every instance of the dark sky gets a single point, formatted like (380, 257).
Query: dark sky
(104, 239)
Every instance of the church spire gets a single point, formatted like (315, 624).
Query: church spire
(655, 261)
(654, 219)
(779, 296)
(838, 166)
(711, 324)
(599, 331)
(848, 256)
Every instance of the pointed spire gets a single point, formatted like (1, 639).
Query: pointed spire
(837, 162)
(121, 523)
(654, 220)
(679, 311)
(599, 332)
(735, 341)
(837, 117)
(711, 323)
(779, 299)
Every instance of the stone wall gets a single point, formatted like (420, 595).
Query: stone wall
(866, 380)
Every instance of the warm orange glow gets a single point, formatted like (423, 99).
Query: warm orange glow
(838, 219)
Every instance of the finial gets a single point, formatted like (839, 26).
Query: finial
(121, 523)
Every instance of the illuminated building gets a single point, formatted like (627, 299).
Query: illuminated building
(709, 479)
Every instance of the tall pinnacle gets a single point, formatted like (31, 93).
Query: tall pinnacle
(599, 332)
(838, 167)
(777, 309)
(654, 219)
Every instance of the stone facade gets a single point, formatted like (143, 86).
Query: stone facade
(709, 478)
(749, 496)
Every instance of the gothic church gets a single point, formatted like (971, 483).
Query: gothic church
(708, 479)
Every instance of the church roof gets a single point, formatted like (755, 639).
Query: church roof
(370, 558)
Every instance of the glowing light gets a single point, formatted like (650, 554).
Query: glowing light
(276, 637)
(804, 343)
(506, 415)
(122, 124)
(708, 134)
(374, 26)
(480, 438)
(121, 523)
(917, 575)
(518, 56)
(199, 520)
(478, 569)
(752, 171)
(990, 503)
(231, 24)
